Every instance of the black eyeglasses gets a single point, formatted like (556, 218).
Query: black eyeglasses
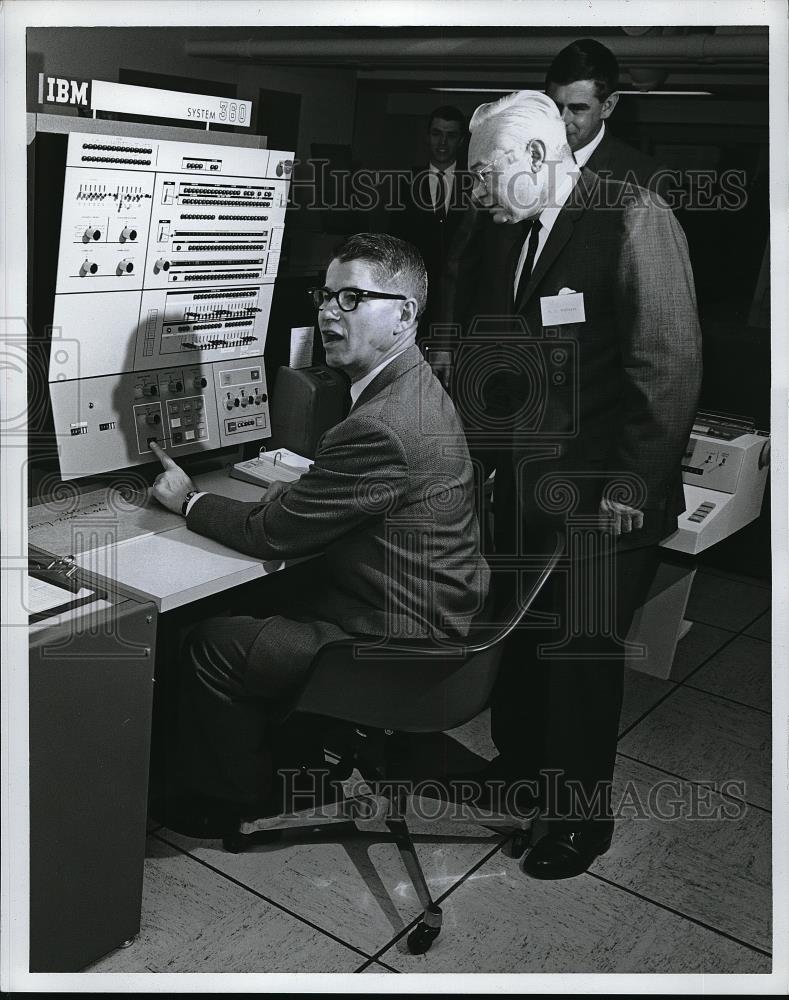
(347, 298)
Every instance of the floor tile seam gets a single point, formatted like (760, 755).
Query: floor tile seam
(266, 899)
(756, 619)
(376, 961)
(724, 697)
(712, 655)
(679, 913)
(723, 628)
(753, 581)
(694, 781)
(439, 899)
(663, 697)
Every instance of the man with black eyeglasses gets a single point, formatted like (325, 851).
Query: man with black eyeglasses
(387, 506)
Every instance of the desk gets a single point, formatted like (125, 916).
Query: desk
(90, 704)
(143, 550)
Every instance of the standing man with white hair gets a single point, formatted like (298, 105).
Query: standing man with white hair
(598, 375)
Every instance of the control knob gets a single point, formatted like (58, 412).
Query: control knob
(88, 267)
(175, 385)
(126, 266)
(200, 382)
(151, 390)
(128, 234)
(153, 419)
(161, 265)
(91, 234)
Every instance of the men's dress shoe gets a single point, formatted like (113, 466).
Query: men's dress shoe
(567, 853)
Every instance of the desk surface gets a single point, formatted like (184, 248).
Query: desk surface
(145, 551)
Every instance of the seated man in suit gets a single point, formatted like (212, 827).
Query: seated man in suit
(387, 504)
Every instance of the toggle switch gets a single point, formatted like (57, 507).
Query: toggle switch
(126, 266)
(128, 234)
(91, 234)
(175, 385)
(151, 390)
(153, 419)
(88, 268)
(161, 265)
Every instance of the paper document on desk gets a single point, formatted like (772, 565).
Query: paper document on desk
(40, 595)
(280, 465)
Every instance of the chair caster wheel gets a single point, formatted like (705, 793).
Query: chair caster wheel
(234, 843)
(516, 845)
(237, 842)
(421, 938)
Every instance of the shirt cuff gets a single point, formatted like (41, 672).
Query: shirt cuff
(193, 501)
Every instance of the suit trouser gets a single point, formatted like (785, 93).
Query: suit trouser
(222, 742)
(556, 704)
(223, 745)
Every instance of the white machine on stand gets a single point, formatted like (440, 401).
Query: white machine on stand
(724, 471)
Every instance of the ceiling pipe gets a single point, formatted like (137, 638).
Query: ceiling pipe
(700, 48)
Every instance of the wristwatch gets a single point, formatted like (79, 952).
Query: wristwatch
(187, 498)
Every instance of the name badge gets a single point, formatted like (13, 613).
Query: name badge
(566, 307)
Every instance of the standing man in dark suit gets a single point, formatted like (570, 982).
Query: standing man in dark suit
(597, 374)
(387, 505)
(434, 200)
(582, 81)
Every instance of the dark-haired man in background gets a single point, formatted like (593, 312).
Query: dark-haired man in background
(434, 201)
(582, 82)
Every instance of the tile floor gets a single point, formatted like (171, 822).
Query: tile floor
(685, 888)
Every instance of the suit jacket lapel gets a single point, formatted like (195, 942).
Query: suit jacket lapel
(402, 363)
(560, 233)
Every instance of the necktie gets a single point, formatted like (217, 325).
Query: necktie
(441, 193)
(532, 233)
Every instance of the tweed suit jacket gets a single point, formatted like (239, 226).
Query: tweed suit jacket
(615, 160)
(389, 504)
(471, 240)
(623, 409)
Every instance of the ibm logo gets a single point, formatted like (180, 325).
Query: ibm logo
(56, 90)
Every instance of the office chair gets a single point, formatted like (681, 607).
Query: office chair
(409, 686)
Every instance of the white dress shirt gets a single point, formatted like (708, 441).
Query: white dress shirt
(449, 178)
(582, 155)
(547, 218)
